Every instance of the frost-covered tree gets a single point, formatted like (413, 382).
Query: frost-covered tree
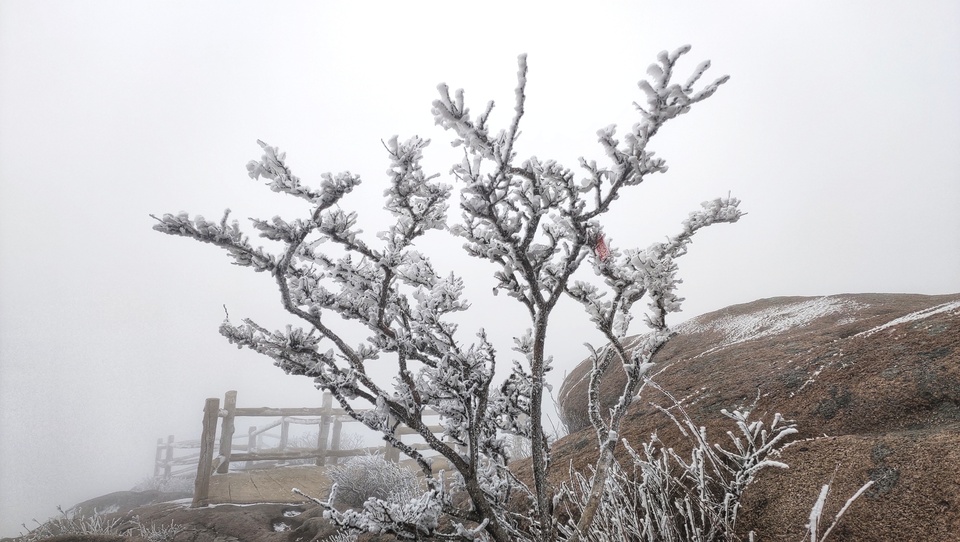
(538, 223)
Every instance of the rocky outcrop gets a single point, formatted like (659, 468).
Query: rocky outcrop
(233, 523)
(872, 381)
(122, 502)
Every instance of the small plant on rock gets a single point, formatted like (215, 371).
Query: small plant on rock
(100, 524)
(70, 523)
(668, 496)
(371, 476)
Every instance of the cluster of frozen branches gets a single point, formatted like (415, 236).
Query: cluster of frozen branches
(689, 496)
(672, 496)
(537, 222)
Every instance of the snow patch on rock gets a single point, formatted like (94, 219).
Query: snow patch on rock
(913, 316)
(771, 321)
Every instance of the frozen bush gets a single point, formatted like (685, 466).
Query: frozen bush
(70, 523)
(372, 476)
(667, 496)
(99, 524)
(342, 536)
(155, 533)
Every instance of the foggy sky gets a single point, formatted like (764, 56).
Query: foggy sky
(839, 131)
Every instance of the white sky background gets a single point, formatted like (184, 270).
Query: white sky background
(839, 130)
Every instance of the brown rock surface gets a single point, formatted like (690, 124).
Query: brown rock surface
(122, 502)
(266, 522)
(872, 381)
(231, 523)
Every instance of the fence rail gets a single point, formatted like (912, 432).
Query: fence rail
(215, 457)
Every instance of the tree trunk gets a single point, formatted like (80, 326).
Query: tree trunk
(539, 452)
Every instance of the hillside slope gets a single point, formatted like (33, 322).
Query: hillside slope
(872, 380)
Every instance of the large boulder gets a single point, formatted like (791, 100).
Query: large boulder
(872, 381)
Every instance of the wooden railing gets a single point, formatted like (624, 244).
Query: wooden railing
(213, 459)
(167, 464)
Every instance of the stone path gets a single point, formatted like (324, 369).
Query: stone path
(269, 485)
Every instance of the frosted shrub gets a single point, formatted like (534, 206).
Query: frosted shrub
(99, 524)
(67, 524)
(666, 496)
(342, 536)
(816, 513)
(155, 533)
(538, 224)
(372, 476)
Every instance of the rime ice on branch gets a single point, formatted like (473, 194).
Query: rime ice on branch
(537, 221)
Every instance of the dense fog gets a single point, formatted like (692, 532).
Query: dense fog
(838, 130)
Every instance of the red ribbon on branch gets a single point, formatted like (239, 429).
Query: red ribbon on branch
(600, 247)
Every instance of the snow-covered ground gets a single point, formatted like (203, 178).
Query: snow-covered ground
(771, 321)
(913, 316)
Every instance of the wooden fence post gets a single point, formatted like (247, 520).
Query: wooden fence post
(323, 432)
(226, 433)
(335, 439)
(284, 434)
(251, 444)
(201, 487)
(168, 457)
(156, 462)
(284, 437)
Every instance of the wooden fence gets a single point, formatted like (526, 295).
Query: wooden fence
(167, 464)
(215, 457)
